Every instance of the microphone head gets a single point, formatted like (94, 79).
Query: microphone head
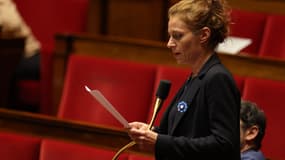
(163, 89)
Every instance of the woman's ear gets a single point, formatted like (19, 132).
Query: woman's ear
(251, 133)
(205, 33)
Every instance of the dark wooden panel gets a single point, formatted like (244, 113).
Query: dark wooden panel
(137, 19)
(96, 16)
(267, 6)
(11, 50)
(147, 19)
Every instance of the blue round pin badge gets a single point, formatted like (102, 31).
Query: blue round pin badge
(182, 106)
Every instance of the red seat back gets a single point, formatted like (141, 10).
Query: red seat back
(273, 44)
(18, 147)
(248, 25)
(139, 157)
(126, 85)
(269, 96)
(47, 17)
(60, 150)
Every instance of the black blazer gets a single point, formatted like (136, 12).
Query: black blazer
(202, 122)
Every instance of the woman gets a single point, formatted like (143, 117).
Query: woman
(202, 122)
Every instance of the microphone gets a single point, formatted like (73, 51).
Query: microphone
(161, 94)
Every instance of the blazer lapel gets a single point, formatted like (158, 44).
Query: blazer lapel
(213, 60)
(194, 89)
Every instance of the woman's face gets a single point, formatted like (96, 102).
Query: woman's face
(184, 44)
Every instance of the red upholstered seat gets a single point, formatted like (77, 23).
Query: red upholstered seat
(273, 44)
(60, 150)
(177, 76)
(18, 147)
(127, 85)
(139, 157)
(248, 25)
(269, 96)
(46, 18)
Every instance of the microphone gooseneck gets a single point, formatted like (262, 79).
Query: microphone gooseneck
(161, 94)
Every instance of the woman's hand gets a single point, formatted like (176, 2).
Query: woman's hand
(140, 133)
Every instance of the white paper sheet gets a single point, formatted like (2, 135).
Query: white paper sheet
(108, 106)
(233, 45)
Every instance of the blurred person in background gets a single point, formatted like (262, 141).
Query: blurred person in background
(12, 26)
(252, 131)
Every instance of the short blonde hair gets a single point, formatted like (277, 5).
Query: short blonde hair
(214, 14)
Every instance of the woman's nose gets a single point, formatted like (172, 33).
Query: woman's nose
(170, 43)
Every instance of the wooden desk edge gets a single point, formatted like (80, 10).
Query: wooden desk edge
(67, 130)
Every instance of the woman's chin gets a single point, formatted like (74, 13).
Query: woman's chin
(180, 61)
